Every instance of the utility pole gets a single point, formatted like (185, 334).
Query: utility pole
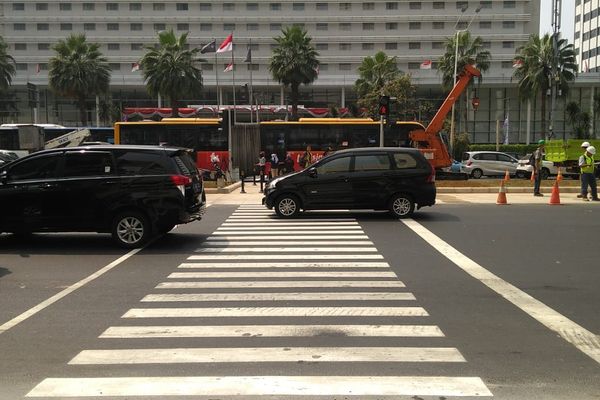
(554, 74)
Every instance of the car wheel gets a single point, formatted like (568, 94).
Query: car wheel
(401, 206)
(520, 174)
(477, 173)
(545, 173)
(287, 206)
(131, 229)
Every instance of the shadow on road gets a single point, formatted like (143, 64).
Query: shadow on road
(4, 271)
(73, 244)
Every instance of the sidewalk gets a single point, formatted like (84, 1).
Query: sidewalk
(446, 195)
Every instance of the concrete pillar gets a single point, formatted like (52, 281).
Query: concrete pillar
(343, 102)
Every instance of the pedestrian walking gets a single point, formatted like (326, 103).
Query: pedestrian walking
(584, 146)
(261, 164)
(586, 163)
(538, 157)
(306, 159)
(274, 165)
(289, 163)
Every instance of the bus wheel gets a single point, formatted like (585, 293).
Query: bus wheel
(287, 206)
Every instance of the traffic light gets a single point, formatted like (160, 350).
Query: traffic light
(384, 106)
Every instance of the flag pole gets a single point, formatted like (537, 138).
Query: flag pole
(250, 67)
(233, 84)
(217, 82)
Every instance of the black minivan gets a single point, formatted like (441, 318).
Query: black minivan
(133, 192)
(397, 179)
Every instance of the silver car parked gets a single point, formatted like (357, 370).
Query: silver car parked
(489, 163)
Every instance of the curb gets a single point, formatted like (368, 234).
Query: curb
(226, 189)
(508, 189)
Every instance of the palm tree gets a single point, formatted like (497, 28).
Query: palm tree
(7, 66)
(78, 71)
(170, 69)
(294, 62)
(375, 72)
(537, 61)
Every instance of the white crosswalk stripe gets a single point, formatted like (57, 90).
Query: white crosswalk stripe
(286, 264)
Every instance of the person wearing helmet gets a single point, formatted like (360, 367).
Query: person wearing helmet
(538, 157)
(586, 163)
(585, 145)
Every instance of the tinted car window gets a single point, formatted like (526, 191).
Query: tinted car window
(334, 166)
(505, 158)
(87, 164)
(142, 163)
(487, 157)
(185, 163)
(373, 162)
(404, 161)
(36, 168)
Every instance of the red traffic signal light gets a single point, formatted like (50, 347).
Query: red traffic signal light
(384, 105)
(383, 110)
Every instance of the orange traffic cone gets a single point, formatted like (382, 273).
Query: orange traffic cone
(506, 176)
(501, 200)
(555, 197)
(559, 177)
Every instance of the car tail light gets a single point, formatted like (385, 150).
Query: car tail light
(431, 177)
(180, 181)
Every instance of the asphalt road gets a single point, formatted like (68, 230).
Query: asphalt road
(457, 325)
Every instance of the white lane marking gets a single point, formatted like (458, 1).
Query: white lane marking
(280, 284)
(285, 237)
(240, 386)
(279, 274)
(262, 227)
(299, 223)
(265, 249)
(284, 221)
(267, 354)
(133, 332)
(573, 333)
(228, 312)
(48, 302)
(222, 243)
(227, 257)
(312, 233)
(304, 296)
(264, 265)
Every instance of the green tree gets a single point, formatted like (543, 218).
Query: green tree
(170, 69)
(579, 120)
(537, 61)
(7, 66)
(78, 71)
(374, 72)
(399, 87)
(294, 62)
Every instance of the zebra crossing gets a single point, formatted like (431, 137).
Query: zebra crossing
(259, 277)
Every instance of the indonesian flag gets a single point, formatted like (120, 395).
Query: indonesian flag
(229, 67)
(135, 67)
(38, 68)
(426, 64)
(227, 44)
(517, 63)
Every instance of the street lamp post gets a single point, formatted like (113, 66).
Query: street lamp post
(458, 31)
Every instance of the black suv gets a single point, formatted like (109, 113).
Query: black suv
(133, 192)
(395, 179)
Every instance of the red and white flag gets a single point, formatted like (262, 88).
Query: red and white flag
(586, 66)
(229, 67)
(426, 64)
(135, 67)
(227, 44)
(37, 68)
(517, 63)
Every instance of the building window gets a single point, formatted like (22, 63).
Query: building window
(368, 6)
(508, 45)
(207, 67)
(21, 67)
(345, 67)
(137, 7)
(462, 4)
(20, 46)
(252, 6)
(485, 24)
(251, 27)
(112, 27)
(206, 27)
(43, 46)
(228, 6)
(19, 27)
(136, 46)
(391, 46)
(181, 7)
(345, 26)
(275, 27)
(114, 66)
(577, 35)
(507, 64)
(43, 66)
(43, 27)
(486, 45)
(510, 4)
(322, 6)
(113, 46)
(41, 6)
(323, 67)
(578, 18)
(229, 27)
(298, 6)
(322, 27)
(135, 27)
(345, 46)
(156, 7)
(391, 5)
(89, 27)
(253, 67)
(439, 5)
(89, 6)
(183, 27)
(205, 6)
(275, 6)
(462, 25)
(368, 46)
(508, 24)
(437, 45)
(345, 6)
(322, 46)
(160, 27)
(414, 65)
(112, 6)
(18, 7)
(66, 27)
(65, 7)
(253, 46)
(414, 5)
(438, 25)
(485, 4)
(390, 26)
(368, 26)
(414, 45)
(414, 25)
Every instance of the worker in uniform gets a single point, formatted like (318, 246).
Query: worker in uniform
(538, 157)
(584, 146)
(586, 163)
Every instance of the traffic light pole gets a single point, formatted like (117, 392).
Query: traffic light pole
(381, 131)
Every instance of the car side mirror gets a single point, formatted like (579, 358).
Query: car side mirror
(312, 172)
